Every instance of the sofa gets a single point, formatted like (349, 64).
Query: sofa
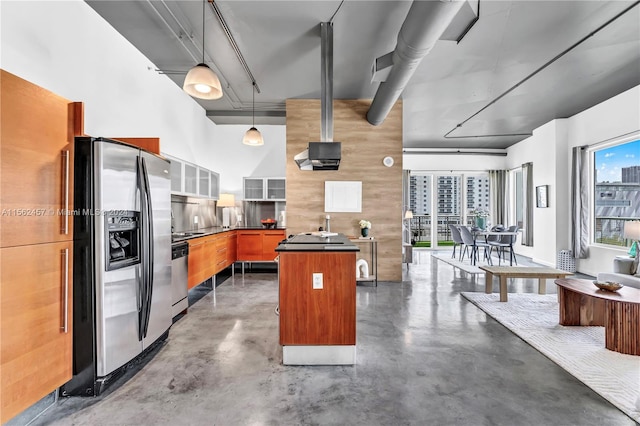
(622, 273)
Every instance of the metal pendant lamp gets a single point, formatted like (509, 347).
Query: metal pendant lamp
(253, 137)
(201, 82)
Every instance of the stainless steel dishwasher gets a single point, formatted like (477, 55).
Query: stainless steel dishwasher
(179, 265)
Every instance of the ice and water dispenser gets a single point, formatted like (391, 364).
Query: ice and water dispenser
(123, 239)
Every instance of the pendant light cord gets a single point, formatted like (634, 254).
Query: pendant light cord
(203, 3)
(253, 105)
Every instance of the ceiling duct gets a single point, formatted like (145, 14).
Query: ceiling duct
(426, 22)
(323, 155)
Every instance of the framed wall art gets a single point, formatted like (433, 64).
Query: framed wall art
(542, 199)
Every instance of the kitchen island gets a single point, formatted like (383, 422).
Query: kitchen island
(317, 300)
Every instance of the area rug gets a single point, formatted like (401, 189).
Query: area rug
(465, 266)
(579, 350)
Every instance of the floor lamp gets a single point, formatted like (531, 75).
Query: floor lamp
(226, 201)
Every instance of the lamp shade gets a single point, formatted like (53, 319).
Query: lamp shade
(632, 230)
(253, 137)
(408, 214)
(202, 83)
(226, 200)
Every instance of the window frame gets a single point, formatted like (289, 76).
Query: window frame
(592, 149)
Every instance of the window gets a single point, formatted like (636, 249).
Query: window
(616, 191)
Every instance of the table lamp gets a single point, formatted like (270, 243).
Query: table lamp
(226, 201)
(632, 232)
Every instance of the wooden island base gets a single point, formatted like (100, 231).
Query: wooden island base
(581, 303)
(318, 315)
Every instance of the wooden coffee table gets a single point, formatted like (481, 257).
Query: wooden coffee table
(504, 272)
(582, 303)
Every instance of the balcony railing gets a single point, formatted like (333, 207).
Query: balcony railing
(610, 230)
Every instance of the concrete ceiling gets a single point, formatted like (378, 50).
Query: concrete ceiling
(521, 65)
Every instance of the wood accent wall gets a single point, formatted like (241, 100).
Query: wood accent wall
(363, 148)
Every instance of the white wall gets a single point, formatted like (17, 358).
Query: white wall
(67, 48)
(543, 149)
(550, 151)
(227, 152)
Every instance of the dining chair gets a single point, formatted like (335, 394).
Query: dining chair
(506, 242)
(471, 241)
(457, 239)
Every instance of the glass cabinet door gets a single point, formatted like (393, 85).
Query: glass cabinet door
(276, 188)
(190, 179)
(176, 176)
(203, 182)
(215, 186)
(253, 188)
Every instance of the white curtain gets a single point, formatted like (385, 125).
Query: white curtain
(580, 202)
(528, 201)
(499, 197)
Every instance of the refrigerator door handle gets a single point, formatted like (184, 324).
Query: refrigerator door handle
(143, 255)
(149, 241)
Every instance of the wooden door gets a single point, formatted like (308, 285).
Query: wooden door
(232, 247)
(250, 245)
(196, 262)
(36, 174)
(35, 323)
(211, 257)
(270, 241)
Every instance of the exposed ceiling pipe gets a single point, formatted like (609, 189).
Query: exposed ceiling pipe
(425, 23)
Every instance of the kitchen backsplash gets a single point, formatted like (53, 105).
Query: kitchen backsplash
(184, 211)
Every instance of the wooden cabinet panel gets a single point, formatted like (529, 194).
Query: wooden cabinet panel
(196, 262)
(210, 248)
(258, 245)
(36, 151)
(148, 144)
(317, 317)
(250, 245)
(270, 240)
(35, 304)
(232, 248)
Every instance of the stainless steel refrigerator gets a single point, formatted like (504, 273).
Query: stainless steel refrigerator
(122, 259)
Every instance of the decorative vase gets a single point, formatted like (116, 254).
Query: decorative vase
(364, 232)
(481, 222)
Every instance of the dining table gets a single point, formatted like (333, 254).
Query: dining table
(485, 234)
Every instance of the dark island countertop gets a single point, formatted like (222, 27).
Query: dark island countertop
(308, 242)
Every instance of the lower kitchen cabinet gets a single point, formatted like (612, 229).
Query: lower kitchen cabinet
(232, 248)
(250, 245)
(270, 240)
(197, 262)
(35, 323)
(257, 245)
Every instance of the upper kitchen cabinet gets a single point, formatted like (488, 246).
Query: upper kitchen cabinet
(276, 189)
(264, 189)
(36, 158)
(192, 180)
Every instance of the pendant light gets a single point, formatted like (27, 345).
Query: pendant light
(201, 82)
(253, 136)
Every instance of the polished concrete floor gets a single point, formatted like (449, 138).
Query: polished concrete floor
(425, 356)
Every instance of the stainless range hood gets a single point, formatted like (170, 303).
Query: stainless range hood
(320, 156)
(323, 155)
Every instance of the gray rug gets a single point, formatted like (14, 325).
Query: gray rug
(465, 266)
(579, 350)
